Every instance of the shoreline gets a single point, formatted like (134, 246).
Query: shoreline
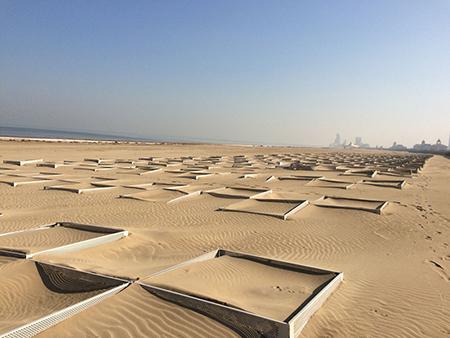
(70, 140)
(129, 142)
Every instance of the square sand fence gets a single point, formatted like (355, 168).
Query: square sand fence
(245, 323)
(375, 206)
(94, 235)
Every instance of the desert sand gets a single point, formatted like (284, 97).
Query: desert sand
(26, 296)
(396, 264)
(42, 239)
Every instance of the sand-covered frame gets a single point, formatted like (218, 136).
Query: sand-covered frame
(397, 184)
(80, 187)
(106, 235)
(244, 322)
(15, 180)
(109, 285)
(330, 183)
(375, 206)
(236, 192)
(23, 162)
(285, 207)
(360, 172)
(168, 194)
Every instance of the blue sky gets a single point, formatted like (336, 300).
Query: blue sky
(280, 72)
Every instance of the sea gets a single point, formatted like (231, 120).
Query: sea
(78, 135)
(61, 134)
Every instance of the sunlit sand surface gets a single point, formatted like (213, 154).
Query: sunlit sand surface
(396, 264)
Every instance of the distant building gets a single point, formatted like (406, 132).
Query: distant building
(337, 142)
(438, 146)
(338, 139)
(422, 146)
(359, 143)
(426, 147)
(398, 147)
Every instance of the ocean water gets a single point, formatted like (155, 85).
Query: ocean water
(60, 134)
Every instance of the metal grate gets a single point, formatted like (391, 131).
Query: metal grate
(37, 326)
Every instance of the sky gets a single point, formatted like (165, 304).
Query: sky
(271, 72)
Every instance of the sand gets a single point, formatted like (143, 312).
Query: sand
(43, 239)
(156, 195)
(396, 265)
(135, 312)
(25, 296)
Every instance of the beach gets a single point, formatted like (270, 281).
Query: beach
(389, 235)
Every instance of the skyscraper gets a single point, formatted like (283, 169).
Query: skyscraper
(337, 142)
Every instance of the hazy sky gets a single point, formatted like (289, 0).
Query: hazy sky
(256, 71)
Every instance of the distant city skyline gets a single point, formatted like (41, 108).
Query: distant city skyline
(287, 73)
(360, 141)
